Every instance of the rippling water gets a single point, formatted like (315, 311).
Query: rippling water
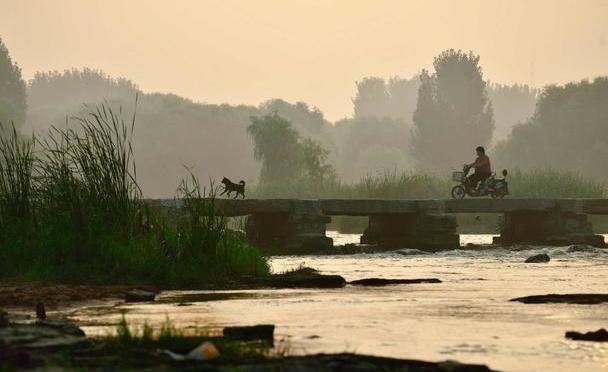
(467, 318)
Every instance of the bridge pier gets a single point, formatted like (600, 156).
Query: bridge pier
(424, 231)
(551, 228)
(301, 231)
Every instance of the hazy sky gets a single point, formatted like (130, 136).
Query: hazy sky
(251, 50)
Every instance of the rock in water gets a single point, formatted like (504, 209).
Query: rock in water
(601, 335)
(40, 311)
(538, 258)
(42, 335)
(205, 351)
(3, 319)
(257, 332)
(373, 282)
(574, 298)
(138, 295)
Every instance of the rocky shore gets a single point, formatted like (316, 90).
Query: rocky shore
(58, 345)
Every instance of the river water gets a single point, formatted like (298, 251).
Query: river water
(467, 318)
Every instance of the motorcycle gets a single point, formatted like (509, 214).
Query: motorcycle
(497, 188)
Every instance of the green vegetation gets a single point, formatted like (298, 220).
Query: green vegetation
(12, 90)
(453, 113)
(128, 338)
(567, 132)
(72, 210)
(287, 160)
(406, 185)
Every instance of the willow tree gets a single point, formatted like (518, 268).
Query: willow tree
(12, 90)
(276, 146)
(453, 114)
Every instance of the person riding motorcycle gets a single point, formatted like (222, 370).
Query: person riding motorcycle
(483, 168)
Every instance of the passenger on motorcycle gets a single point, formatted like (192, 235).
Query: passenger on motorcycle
(483, 169)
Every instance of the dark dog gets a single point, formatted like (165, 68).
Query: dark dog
(230, 187)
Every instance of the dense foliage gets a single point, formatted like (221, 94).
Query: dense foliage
(288, 161)
(12, 90)
(71, 209)
(453, 113)
(568, 131)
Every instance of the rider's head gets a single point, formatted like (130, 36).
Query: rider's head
(480, 150)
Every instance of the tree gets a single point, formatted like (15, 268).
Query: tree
(361, 134)
(313, 158)
(395, 98)
(372, 99)
(453, 114)
(567, 132)
(289, 163)
(75, 87)
(306, 120)
(512, 104)
(12, 90)
(275, 145)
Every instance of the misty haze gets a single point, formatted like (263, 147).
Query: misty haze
(253, 183)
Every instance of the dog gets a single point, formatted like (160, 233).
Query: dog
(230, 187)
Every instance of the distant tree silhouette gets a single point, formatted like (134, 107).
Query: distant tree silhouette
(275, 145)
(376, 97)
(13, 105)
(568, 131)
(372, 99)
(512, 104)
(453, 114)
(75, 87)
(286, 158)
(372, 141)
(307, 121)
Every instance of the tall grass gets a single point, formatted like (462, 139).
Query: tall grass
(546, 183)
(79, 194)
(16, 169)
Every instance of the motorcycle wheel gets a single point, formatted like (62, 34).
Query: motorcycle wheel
(497, 195)
(458, 192)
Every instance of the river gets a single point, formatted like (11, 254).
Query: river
(467, 318)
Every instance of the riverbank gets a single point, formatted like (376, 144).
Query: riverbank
(58, 344)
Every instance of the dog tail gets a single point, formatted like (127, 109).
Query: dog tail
(242, 183)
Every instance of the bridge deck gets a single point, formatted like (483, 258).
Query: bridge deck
(367, 207)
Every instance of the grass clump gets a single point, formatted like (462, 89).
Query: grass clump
(71, 210)
(128, 338)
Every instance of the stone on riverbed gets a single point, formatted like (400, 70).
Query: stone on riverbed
(314, 281)
(538, 258)
(576, 298)
(303, 277)
(601, 335)
(138, 295)
(380, 281)
(42, 335)
(263, 332)
(3, 319)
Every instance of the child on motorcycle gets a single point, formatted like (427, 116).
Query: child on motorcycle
(483, 168)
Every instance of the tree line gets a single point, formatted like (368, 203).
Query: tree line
(428, 123)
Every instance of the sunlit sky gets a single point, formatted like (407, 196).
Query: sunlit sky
(313, 51)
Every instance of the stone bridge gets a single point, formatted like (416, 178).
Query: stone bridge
(298, 225)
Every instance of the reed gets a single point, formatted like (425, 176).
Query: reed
(88, 219)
